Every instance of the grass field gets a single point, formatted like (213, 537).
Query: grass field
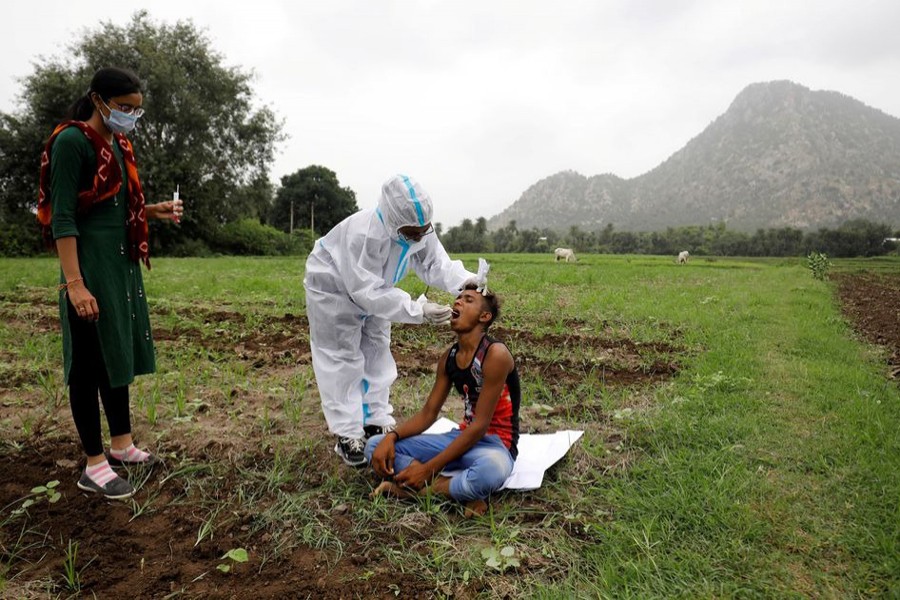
(740, 441)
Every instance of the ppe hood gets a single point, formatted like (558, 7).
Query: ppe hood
(404, 202)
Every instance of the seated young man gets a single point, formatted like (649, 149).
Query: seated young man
(483, 448)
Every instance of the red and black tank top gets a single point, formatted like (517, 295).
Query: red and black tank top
(468, 382)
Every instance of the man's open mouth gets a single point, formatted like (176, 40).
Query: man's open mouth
(454, 314)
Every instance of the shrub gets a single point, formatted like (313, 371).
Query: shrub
(189, 247)
(20, 240)
(250, 237)
(300, 242)
(818, 264)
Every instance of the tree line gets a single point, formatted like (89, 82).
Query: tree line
(856, 237)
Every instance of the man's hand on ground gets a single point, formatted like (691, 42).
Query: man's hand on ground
(383, 457)
(415, 476)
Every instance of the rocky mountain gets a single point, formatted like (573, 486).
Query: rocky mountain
(781, 155)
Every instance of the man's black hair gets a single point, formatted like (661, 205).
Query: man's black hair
(489, 303)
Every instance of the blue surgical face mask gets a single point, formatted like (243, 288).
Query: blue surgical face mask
(118, 121)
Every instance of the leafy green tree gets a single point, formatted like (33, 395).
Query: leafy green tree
(857, 237)
(507, 239)
(312, 198)
(731, 243)
(625, 242)
(468, 237)
(577, 239)
(200, 132)
(20, 147)
(532, 242)
(483, 240)
(460, 238)
(547, 240)
(661, 243)
(868, 237)
(604, 239)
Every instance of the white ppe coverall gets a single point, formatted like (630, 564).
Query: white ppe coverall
(351, 301)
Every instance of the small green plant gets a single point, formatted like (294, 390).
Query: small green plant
(235, 555)
(41, 492)
(47, 491)
(502, 559)
(818, 264)
(180, 406)
(139, 479)
(54, 394)
(71, 572)
(206, 528)
(267, 422)
(149, 401)
(430, 502)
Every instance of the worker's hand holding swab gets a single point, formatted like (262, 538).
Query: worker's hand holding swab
(436, 314)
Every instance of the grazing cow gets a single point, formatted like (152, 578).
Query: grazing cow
(683, 257)
(565, 253)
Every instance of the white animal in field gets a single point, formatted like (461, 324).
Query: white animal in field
(565, 253)
(683, 257)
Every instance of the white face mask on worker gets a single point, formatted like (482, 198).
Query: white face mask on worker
(410, 245)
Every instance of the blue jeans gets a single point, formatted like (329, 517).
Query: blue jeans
(483, 469)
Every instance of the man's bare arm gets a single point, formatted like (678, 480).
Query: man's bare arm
(498, 363)
(383, 456)
(429, 412)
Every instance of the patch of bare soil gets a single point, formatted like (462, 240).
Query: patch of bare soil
(282, 339)
(577, 357)
(872, 304)
(564, 360)
(154, 555)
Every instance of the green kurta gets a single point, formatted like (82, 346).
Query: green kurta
(109, 273)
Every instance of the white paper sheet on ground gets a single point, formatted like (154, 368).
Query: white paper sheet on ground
(537, 453)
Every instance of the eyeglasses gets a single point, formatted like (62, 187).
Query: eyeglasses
(134, 111)
(414, 234)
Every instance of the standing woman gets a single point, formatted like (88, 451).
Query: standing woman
(91, 205)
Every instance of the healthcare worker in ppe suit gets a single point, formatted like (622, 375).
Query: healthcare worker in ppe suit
(351, 302)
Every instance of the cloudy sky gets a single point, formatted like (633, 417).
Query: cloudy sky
(479, 99)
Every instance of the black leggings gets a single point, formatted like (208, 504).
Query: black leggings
(87, 377)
